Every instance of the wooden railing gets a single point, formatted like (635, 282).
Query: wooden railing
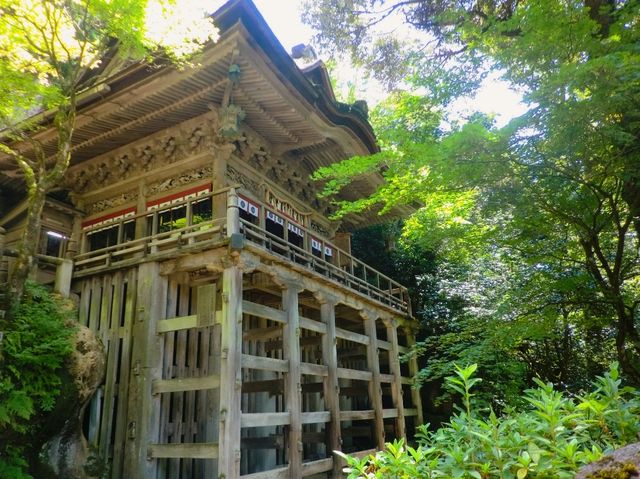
(338, 266)
(341, 267)
(192, 237)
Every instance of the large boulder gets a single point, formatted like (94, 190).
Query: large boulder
(68, 452)
(623, 463)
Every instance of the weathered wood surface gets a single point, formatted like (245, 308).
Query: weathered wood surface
(190, 451)
(375, 390)
(231, 373)
(291, 350)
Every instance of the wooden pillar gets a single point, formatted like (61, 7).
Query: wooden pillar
(64, 274)
(375, 389)
(74, 244)
(4, 265)
(413, 370)
(396, 385)
(233, 213)
(230, 374)
(293, 386)
(141, 207)
(143, 425)
(331, 386)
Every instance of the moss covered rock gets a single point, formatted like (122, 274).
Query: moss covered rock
(623, 463)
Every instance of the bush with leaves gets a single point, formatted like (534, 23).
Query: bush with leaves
(36, 342)
(551, 438)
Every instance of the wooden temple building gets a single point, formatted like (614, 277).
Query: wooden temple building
(243, 339)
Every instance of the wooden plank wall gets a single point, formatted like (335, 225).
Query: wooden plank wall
(107, 306)
(189, 388)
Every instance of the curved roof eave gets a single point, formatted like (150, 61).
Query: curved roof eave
(246, 12)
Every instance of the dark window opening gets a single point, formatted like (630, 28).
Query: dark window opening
(201, 211)
(103, 238)
(112, 235)
(54, 244)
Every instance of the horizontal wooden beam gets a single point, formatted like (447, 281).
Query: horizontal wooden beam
(314, 369)
(185, 384)
(263, 419)
(313, 325)
(357, 415)
(351, 336)
(265, 364)
(203, 450)
(185, 322)
(314, 417)
(387, 378)
(280, 473)
(316, 467)
(262, 311)
(389, 413)
(262, 334)
(354, 374)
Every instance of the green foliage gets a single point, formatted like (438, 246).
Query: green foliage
(535, 225)
(551, 437)
(37, 341)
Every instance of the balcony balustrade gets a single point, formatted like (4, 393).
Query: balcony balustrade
(206, 221)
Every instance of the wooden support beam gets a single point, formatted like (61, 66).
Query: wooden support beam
(331, 387)
(293, 389)
(185, 384)
(264, 311)
(280, 473)
(396, 385)
(184, 451)
(146, 366)
(263, 419)
(375, 390)
(265, 364)
(413, 370)
(207, 299)
(230, 373)
(262, 334)
(358, 415)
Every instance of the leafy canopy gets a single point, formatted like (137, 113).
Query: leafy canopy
(554, 196)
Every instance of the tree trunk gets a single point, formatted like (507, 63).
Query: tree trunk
(628, 345)
(29, 242)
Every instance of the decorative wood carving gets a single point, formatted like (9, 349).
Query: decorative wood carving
(121, 199)
(157, 151)
(185, 178)
(293, 178)
(237, 177)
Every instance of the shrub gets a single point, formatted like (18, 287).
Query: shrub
(551, 438)
(36, 343)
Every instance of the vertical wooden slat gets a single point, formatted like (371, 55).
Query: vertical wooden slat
(396, 385)
(110, 340)
(331, 387)
(143, 407)
(179, 427)
(129, 304)
(230, 373)
(293, 388)
(213, 395)
(375, 390)
(205, 309)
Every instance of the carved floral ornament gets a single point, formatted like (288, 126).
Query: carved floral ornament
(190, 139)
(160, 151)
